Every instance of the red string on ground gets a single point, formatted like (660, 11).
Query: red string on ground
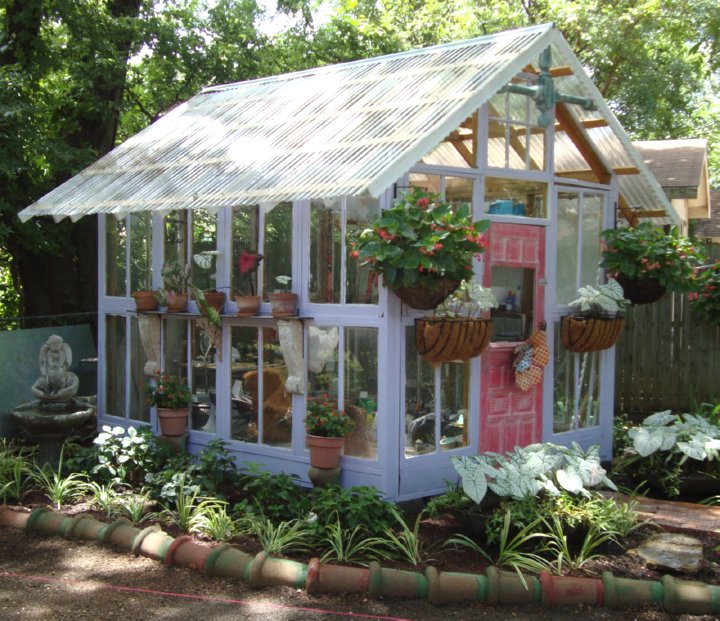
(221, 600)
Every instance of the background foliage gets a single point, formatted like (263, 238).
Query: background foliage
(77, 76)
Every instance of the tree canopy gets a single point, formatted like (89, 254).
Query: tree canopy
(78, 76)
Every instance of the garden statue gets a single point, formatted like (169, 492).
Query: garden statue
(57, 411)
(57, 384)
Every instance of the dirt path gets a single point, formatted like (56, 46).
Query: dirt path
(51, 578)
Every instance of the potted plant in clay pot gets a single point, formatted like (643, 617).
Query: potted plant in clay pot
(176, 282)
(283, 302)
(171, 396)
(326, 428)
(423, 247)
(248, 263)
(646, 261)
(598, 320)
(456, 331)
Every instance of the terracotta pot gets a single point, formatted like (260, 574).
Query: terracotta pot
(641, 290)
(584, 334)
(216, 299)
(176, 302)
(283, 304)
(145, 300)
(427, 298)
(324, 452)
(442, 339)
(173, 422)
(247, 305)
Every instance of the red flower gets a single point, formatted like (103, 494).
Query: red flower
(248, 262)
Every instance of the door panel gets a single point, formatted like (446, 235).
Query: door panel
(510, 416)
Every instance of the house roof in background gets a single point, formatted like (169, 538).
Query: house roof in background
(337, 130)
(677, 164)
(710, 227)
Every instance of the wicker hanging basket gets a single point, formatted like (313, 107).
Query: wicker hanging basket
(583, 334)
(641, 290)
(440, 339)
(427, 298)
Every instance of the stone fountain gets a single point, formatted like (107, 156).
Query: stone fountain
(50, 418)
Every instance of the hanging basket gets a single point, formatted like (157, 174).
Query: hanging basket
(583, 334)
(641, 290)
(427, 298)
(441, 339)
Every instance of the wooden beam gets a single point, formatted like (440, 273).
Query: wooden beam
(457, 140)
(629, 214)
(626, 170)
(555, 72)
(655, 213)
(588, 124)
(581, 142)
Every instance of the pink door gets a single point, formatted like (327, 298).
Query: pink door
(514, 266)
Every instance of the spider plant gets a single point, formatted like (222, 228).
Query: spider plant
(564, 556)
(292, 536)
(56, 487)
(134, 504)
(405, 543)
(211, 518)
(14, 472)
(104, 497)
(349, 546)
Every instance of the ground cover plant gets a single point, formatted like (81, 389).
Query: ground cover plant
(545, 516)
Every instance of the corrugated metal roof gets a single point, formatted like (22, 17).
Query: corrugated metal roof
(336, 130)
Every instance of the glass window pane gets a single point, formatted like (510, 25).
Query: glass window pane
(203, 369)
(245, 227)
(429, 183)
(325, 251)
(589, 389)
(420, 436)
(323, 361)
(278, 247)
(277, 402)
(361, 285)
(204, 266)
(115, 240)
(515, 197)
(175, 345)
(454, 404)
(564, 387)
(176, 235)
(140, 251)
(567, 247)
(592, 218)
(458, 189)
(115, 366)
(361, 395)
(139, 410)
(244, 353)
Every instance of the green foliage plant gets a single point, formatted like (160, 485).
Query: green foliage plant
(604, 300)
(176, 277)
(349, 545)
(705, 299)
(125, 456)
(526, 471)
(58, 488)
(211, 518)
(469, 300)
(404, 543)
(665, 447)
(323, 419)
(104, 498)
(134, 504)
(276, 496)
(646, 251)
(168, 391)
(182, 509)
(15, 471)
(420, 239)
(514, 546)
(287, 536)
(565, 555)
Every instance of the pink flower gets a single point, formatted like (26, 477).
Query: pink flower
(248, 262)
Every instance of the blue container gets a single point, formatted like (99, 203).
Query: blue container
(507, 207)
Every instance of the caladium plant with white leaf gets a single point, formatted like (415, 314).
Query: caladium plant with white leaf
(605, 299)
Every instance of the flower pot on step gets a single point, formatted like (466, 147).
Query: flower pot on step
(443, 339)
(173, 422)
(176, 302)
(216, 299)
(283, 304)
(247, 305)
(324, 452)
(585, 334)
(145, 300)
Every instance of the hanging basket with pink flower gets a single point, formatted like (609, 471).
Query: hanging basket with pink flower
(423, 247)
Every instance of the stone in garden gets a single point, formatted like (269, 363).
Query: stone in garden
(671, 551)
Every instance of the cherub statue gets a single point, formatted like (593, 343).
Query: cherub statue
(56, 384)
